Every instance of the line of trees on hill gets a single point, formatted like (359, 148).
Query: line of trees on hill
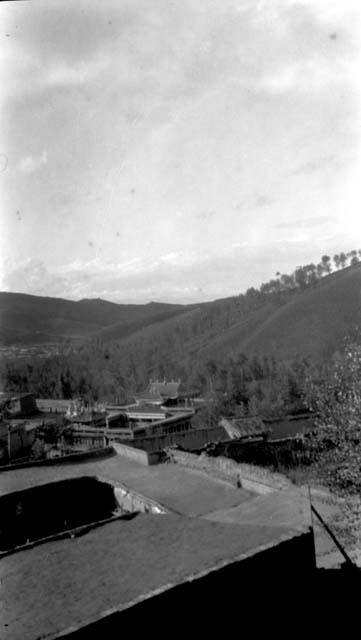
(309, 274)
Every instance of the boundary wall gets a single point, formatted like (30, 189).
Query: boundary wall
(247, 476)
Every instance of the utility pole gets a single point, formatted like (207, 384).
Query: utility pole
(9, 441)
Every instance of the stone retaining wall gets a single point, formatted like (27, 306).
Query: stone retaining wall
(138, 455)
(247, 476)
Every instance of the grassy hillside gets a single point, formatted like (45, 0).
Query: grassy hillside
(311, 322)
(308, 322)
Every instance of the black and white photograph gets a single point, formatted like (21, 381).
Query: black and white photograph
(180, 316)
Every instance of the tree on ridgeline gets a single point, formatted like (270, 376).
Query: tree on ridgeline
(252, 292)
(319, 270)
(354, 258)
(287, 281)
(305, 276)
(326, 263)
(300, 277)
(343, 260)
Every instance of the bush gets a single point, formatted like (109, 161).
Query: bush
(336, 398)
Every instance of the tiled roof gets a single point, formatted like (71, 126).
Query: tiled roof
(146, 396)
(146, 409)
(245, 426)
(290, 426)
(169, 389)
(160, 390)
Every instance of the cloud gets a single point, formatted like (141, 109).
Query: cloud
(307, 76)
(160, 118)
(256, 201)
(323, 162)
(205, 215)
(307, 223)
(62, 74)
(30, 164)
(186, 48)
(173, 276)
(263, 201)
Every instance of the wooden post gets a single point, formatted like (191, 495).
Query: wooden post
(9, 441)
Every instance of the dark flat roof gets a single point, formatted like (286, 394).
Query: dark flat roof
(178, 488)
(67, 583)
(289, 509)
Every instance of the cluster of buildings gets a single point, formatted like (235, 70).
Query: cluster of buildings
(119, 534)
(160, 416)
(159, 411)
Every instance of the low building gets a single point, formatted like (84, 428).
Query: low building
(53, 405)
(91, 419)
(16, 438)
(20, 405)
(134, 428)
(290, 426)
(244, 427)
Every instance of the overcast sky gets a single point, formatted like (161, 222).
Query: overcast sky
(176, 150)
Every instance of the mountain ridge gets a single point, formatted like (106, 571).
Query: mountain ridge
(26, 317)
(310, 321)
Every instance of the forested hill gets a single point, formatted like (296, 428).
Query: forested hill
(307, 322)
(28, 319)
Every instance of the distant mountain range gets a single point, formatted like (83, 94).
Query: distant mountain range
(28, 319)
(309, 321)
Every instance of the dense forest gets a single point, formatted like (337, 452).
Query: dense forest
(251, 384)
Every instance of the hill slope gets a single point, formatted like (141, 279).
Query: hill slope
(309, 322)
(312, 322)
(29, 319)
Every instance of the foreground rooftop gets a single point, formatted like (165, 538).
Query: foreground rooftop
(67, 583)
(179, 489)
(62, 585)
